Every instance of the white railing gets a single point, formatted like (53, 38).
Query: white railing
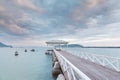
(107, 61)
(72, 72)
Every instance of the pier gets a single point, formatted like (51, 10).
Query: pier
(78, 68)
(85, 66)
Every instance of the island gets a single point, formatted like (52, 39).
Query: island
(4, 45)
(73, 45)
(81, 46)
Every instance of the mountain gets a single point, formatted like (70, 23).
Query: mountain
(4, 45)
(72, 45)
(75, 45)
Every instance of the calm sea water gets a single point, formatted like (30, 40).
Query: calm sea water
(27, 66)
(113, 52)
(36, 65)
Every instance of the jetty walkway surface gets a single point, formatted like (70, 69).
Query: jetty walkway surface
(92, 70)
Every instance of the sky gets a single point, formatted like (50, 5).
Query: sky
(85, 22)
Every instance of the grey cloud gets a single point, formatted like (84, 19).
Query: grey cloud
(79, 20)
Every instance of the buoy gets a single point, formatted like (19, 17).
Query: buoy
(47, 52)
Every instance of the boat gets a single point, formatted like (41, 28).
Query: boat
(25, 50)
(16, 53)
(32, 50)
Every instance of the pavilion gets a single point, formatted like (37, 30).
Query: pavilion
(57, 43)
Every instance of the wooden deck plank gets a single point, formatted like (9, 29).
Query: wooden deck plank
(92, 70)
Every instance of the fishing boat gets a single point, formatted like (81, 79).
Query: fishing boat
(16, 53)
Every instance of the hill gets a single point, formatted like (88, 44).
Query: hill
(72, 45)
(4, 45)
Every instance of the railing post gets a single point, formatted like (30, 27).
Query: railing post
(103, 63)
(73, 74)
(118, 65)
(68, 73)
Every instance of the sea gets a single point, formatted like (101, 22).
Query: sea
(112, 52)
(26, 66)
(36, 65)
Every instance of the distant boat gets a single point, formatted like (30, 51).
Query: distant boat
(25, 50)
(32, 50)
(16, 53)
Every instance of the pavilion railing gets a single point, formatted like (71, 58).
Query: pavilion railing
(72, 72)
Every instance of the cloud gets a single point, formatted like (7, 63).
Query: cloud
(12, 13)
(92, 22)
(27, 43)
(84, 8)
(29, 4)
(92, 3)
(102, 42)
(12, 28)
(2, 8)
(88, 22)
(99, 36)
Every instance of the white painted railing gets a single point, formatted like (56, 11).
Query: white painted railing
(107, 61)
(72, 72)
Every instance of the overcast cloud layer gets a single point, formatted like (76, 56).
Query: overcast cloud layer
(87, 22)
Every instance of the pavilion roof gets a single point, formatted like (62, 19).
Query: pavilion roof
(57, 42)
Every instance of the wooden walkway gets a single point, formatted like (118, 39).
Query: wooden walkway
(92, 70)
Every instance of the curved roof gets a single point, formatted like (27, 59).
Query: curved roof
(57, 42)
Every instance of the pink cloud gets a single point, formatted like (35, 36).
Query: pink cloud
(91, 3)
(29, 4)
(12, 27)
(9, 20)
(79, 12)
(2, 8)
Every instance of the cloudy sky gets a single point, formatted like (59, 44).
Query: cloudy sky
(87, 22)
